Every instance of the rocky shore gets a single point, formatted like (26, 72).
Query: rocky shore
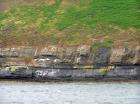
(70, 63)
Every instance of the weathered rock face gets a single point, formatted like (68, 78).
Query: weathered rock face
(17, 52)
(75, 55)
(114, 73)
(83, 55)
(2, 60)
(122, 56)
(137, 56)
(125, 56)
(124, 71)
(19, 73)
(54, 62)
(101, 56)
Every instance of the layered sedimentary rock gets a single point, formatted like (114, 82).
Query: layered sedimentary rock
(71, 62)
(81, 54)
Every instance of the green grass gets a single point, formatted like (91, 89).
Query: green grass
(123, 13)
(25, 16)
(100, 16)
(104, 44)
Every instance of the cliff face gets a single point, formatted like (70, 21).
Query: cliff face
(76, 55)
(70, 23)
(73, 63)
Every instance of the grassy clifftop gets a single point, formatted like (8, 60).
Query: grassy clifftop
(100, 23)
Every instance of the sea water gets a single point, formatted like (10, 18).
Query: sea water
(69, 93)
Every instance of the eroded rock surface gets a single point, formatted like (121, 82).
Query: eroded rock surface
(80, 62)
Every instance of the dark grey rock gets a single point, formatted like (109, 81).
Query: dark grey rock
(124, 72)
(101, 56)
